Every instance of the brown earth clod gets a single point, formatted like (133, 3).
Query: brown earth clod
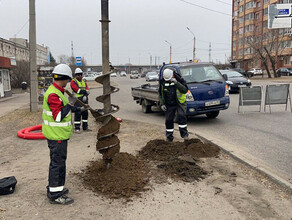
(127, 176)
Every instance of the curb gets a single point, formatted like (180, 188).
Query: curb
(14, 95)
(271, 176)
(7, 98)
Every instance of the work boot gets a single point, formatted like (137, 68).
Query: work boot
(87, 130)
(62, 200)
(186, 138)
(77, 131)
(65, 191)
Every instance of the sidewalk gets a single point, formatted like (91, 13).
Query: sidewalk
(14, 102)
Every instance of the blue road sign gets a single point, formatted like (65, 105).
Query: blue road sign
(78, 61)
(283, 11)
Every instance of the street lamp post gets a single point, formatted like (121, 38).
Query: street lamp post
(194, 48)
(150, 62)
(170, 50)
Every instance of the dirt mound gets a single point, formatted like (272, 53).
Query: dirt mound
(126, 177)
(183, 170)
(179, 158)
(129, 175)
(163, 151)
(198, 149)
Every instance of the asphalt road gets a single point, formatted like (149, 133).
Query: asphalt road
(262, 136)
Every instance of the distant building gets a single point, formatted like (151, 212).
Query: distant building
(250, 31)
(5, 86)
(18, 48)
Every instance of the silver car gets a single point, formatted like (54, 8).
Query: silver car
(151, 76)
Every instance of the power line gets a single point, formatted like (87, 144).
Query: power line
(223, 2)
(205, 8)
(22, 27)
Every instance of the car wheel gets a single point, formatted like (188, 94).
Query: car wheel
(212, 115)
(146, 108)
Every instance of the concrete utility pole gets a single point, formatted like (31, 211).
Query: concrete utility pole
(105, 54)
(72, 49)
(194, 48)
(32, 58)
(210, 52)
(170, 50)
(150, 62)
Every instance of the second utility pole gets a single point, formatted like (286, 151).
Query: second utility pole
(105, 54)
(32, 58)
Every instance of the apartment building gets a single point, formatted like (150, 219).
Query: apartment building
(18, 49)
(250, 35)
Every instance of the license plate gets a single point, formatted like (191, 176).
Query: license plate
(241, 85)
(212, 103)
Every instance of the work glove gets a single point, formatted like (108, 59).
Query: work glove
(72, 99)
(84, 98)
(87, 91)
(82, 109)
(163, 108)
(173, 80)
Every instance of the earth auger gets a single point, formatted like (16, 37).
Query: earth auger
(108, 144)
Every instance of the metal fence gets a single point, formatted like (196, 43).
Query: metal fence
(250, 96)
(274, 95)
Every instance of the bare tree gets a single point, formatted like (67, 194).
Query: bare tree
(20, 74)
(264, 48)
(71, 62)
(64, 59)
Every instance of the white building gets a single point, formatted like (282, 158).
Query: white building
(18, 48)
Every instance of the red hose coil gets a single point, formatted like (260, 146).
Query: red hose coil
(25, 133)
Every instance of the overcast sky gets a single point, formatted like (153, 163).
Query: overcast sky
(138, 28)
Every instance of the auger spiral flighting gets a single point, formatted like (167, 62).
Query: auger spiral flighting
(108, 144)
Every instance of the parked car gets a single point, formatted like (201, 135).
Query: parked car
(284, 71)
(243, 72)
(113, 74)
(143, 74)
(134, 75)
(151, 76)
(90, 76)
(123, 73)
(255, 71)
(235, 80)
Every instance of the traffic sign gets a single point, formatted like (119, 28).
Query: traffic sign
(280, 16)
(78, 61)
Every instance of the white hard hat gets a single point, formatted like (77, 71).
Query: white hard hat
(62, 70)
(167, 74)
(78, 70)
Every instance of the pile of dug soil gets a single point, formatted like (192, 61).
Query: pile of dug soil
(127, 176)
(179, 158)
(183, 170)
(161, 150)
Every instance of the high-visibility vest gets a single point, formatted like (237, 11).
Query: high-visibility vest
(51, 129)
(181, 97)
(81, 86)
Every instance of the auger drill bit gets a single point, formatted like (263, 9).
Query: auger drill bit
(108, 144)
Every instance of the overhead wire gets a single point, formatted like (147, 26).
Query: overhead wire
(22, 27)
(209, 9)
(223, 2)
